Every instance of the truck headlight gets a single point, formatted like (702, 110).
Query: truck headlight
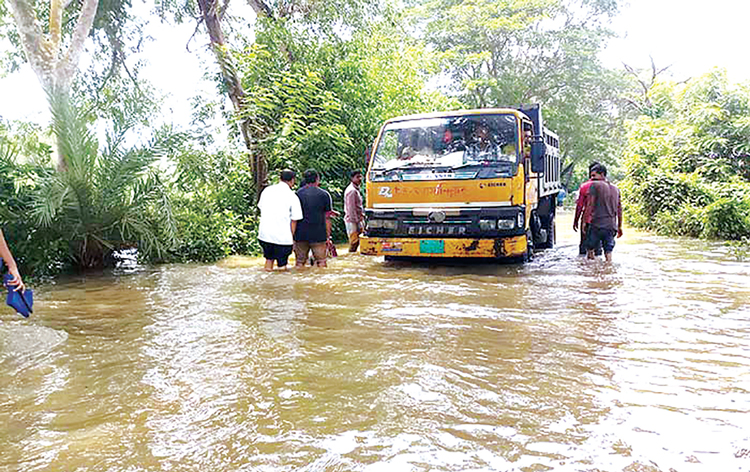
(376, 224)
(506, 224)
(520, 219)
(486, 225)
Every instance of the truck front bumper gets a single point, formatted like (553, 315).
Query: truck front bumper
(512, 246)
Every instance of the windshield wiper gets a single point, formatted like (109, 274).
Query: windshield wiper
(485, 164)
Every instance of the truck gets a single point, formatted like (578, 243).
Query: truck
(463, 184)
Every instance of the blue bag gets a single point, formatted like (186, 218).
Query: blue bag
(23, 303)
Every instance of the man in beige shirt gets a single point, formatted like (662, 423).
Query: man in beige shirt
(354, 213)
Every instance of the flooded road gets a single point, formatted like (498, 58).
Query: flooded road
(561, 364)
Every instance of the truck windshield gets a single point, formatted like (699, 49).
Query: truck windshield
(465, 147)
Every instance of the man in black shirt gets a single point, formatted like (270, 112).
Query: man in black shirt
(314, 230)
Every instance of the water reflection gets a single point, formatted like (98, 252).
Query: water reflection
(560, 364)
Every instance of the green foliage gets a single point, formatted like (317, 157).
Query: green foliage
(105, 201)
(687, 168)
(317, 101)
(207, 233)
(115, 35)
(214, 206)
(25, 156)
(740, 249)
(668, 192)
(382, 74)
(688, 220)
(293, 115)
(728, 218)
(514, 52)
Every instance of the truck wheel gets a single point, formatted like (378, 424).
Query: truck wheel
(529, 256)
(550, 227)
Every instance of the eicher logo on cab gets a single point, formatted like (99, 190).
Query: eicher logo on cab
(385, 192)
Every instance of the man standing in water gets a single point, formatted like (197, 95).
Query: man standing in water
(580, 209)
(7, 258)
(604, 211)
(314, 230)
(279, 212)
(354, 213)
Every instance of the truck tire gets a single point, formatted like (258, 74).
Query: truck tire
(529, 256)
(549, 226)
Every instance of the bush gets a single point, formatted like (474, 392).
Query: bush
(740, 249)
(214, 206)
(686, 170)
(206, 234)
(687, 221)
(727, 218)
(667, 192)
(24, 157)
(690, 221)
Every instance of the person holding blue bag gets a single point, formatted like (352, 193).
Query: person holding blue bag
(19, 298)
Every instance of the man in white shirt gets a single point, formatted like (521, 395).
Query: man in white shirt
(279, 212)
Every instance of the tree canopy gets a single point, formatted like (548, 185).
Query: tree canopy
(687, 159)
(520, 52)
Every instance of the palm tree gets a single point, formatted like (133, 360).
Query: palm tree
(103, 202)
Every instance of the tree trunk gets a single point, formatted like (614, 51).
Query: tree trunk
(212, 19)
(54, 65)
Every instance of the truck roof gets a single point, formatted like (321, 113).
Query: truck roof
(443, 114)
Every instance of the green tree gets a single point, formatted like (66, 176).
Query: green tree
(51, 37)
(511, 53)
(324, 108)
(686, 159)
(214, 204)
(382, 72)
(299, 16)
(105, 201)
(25, 154)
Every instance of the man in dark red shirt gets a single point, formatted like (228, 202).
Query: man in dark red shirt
(580, 208)
(603, 212)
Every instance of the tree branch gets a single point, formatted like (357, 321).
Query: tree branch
(81, 32)
(55, 25)
(261, 8)
(224, 9)
(30, 33)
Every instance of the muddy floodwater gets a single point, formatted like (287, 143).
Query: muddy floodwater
(559, 364)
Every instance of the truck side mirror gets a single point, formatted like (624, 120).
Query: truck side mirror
(538, 149)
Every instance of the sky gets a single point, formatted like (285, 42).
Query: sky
(690, 36)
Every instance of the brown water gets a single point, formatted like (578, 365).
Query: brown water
(561, 364)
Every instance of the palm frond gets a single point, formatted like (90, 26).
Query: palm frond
(76, 143)
(52, 197)
(8, 152)
(105, 201)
